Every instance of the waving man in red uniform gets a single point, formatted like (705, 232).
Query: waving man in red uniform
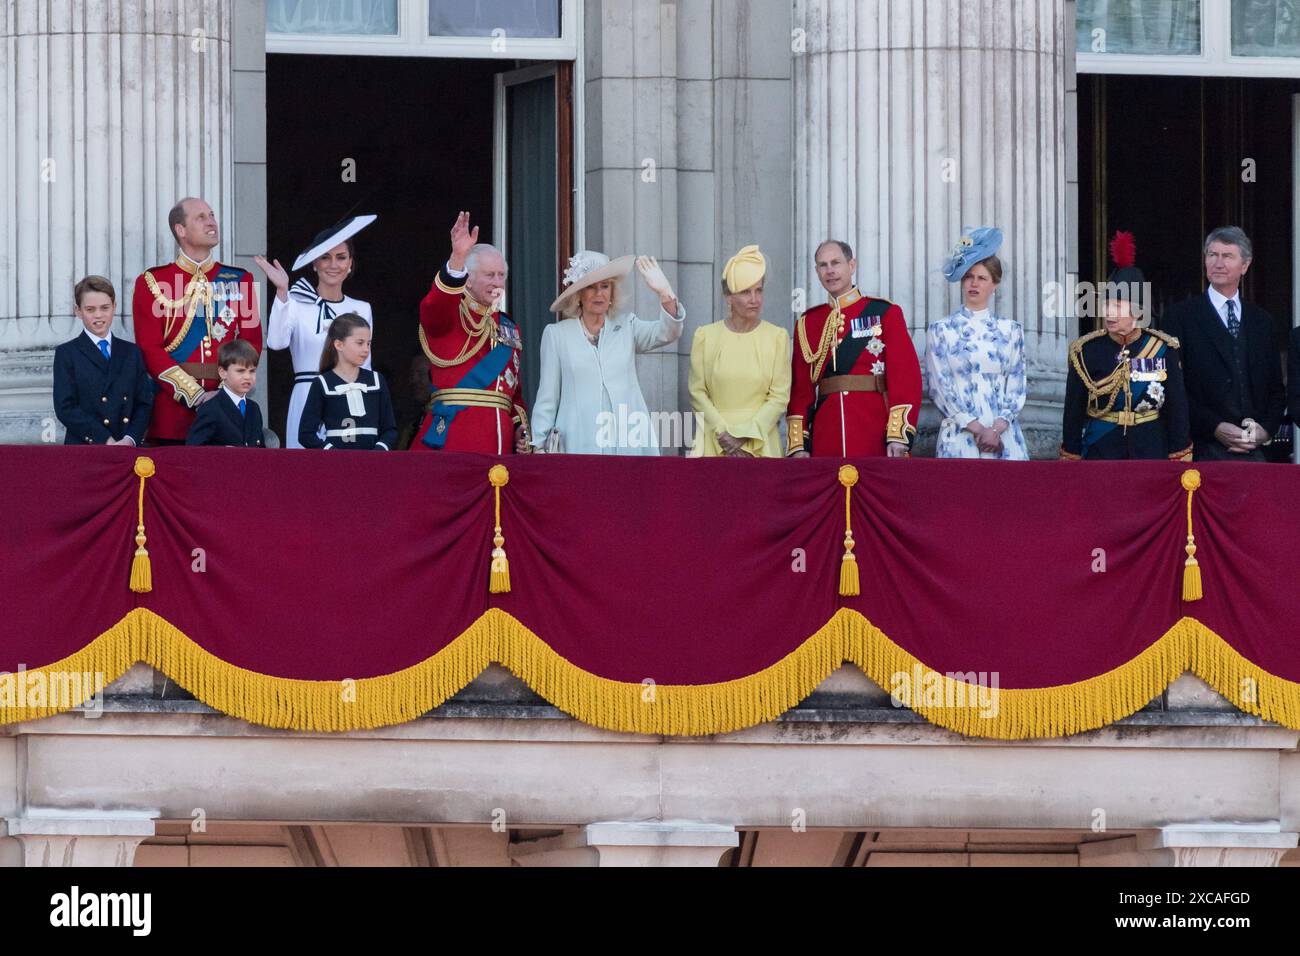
(856, 389)
(474, 352)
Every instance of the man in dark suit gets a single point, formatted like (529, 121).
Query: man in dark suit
(1231, 365)
(231, 417)
(103, 393)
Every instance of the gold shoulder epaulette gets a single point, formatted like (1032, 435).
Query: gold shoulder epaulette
(157, 293)
(1077, 345)
(1170, 340)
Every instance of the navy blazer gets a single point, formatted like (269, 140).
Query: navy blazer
(218, 422)
(96, 398)
(1208, 367)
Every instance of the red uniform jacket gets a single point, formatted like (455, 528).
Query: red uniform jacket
(860, 337)
(182, 314)
(456, 333)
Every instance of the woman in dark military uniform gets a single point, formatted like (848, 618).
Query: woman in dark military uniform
(1124, 394)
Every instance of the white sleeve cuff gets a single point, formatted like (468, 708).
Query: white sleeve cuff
(454, 273)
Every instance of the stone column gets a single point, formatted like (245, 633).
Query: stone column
(646, 843)
(80, 837)
(109, 112)
(631, 159)
(916, 118)
(688, 153)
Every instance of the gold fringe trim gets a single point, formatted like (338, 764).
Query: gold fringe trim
(666, 709)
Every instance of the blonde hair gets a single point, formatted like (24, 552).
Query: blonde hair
(573, 308)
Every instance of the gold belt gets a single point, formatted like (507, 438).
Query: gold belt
(474, 397)
(1128, 419)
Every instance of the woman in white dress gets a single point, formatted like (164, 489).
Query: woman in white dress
(589, 400)
(976, 360)
(301, 315)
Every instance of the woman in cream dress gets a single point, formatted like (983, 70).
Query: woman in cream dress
(589, 399)
(740, 370)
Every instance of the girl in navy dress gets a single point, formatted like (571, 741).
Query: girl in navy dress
(348, 405)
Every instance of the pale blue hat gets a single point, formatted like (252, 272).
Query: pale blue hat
(975, 245)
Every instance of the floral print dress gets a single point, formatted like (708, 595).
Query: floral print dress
(976, 363)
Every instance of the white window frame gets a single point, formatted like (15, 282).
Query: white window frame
(413, 39)
(501, 147)
(1215, 59)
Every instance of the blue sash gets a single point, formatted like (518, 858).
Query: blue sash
(225, 284)
(483, 374)
(197, 332)
(1096, 429)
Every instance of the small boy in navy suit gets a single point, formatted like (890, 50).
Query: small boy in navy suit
(230, 417)
(102, 391)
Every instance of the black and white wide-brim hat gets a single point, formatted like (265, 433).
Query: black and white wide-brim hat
(327, 239)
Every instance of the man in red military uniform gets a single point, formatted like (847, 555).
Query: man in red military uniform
(856, 384)
(183, 312)
(474, 353)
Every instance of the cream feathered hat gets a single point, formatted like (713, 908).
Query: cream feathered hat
(586, 269)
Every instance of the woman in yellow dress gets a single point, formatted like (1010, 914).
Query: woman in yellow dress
(740, 370)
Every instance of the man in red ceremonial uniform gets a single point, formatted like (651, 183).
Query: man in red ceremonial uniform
(183, 312)
(474, 353)
(856, 388)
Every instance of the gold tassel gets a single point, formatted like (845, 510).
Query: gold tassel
(1191, 480)
(499, 581)
(141, 571)
(849, 563)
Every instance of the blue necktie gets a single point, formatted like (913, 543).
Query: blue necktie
(1234, 323)
(242, 405)
(103, 348)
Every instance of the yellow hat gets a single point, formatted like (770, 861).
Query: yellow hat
(744, 269)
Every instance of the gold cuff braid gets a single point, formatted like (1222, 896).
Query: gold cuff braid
(899, 428)
(794, 434)
(188, 388)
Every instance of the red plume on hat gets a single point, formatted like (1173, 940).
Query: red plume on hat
(1123, 250)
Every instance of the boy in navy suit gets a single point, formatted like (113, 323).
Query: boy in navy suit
(102, 391)
(230, 417)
